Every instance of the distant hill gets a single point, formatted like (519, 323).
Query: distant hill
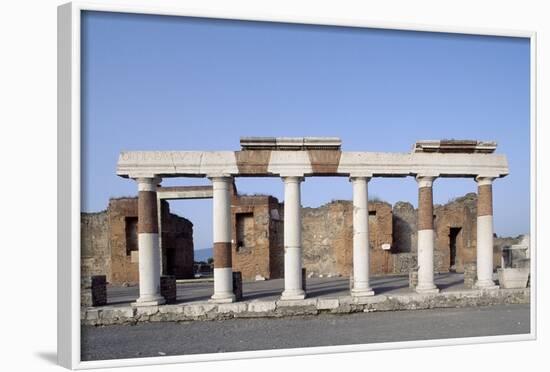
(203, 254)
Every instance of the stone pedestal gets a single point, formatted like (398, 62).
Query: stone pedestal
(168, 288)
(238, 285)
(93, 291)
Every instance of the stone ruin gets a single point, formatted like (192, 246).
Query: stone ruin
(292, 159)
(109, 247)
(257, 248)
(109, 243)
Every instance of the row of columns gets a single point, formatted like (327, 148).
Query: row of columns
(149, 253)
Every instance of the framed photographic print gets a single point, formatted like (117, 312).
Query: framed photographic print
(336, 185)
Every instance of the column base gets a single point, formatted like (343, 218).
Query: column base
(149, 301)
(485, 284)
(427, 290)
(222, 298)
(364, 292)
(296, 294)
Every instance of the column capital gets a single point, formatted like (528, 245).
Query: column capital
(484, 180)
(148, 183)
(292, 179)
(220, 177)
(359, 178)
(425, 181)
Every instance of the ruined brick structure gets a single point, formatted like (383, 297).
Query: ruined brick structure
(109, 240)
(455, 235)
(257, 241)
(109, 243)
(327, 233)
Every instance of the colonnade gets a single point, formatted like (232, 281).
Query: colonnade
(149, 256)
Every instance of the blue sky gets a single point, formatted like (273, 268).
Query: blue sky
(179, 83)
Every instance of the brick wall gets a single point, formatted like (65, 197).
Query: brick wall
(327, 238)
(458, 216)
(94, 247)
(256, 246)
(109, 243)
(123, 214)
(177, 244)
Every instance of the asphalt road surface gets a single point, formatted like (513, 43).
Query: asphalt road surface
(197, 337)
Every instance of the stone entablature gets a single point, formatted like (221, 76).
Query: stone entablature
(261, 160)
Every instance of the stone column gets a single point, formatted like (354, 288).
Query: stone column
(361, 286)
(426, 236)
(485, 233)
(293, 240)
(148, 243)
(223, 271)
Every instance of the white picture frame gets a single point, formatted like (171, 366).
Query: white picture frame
(69, 179)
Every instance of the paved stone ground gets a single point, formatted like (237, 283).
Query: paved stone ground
(171, 338)
(271, 289)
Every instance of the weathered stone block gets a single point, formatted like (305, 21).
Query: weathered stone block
(237, 307)
(144, 311)
(92, 314)
(470, 275)
(171, 309)
(198, 310)
(99, 290)
(513, 277)
(364, 300)
(262, 306)
(296, 303)
(114, 314)
(327, 303)
(168, 288)
(126, 312)
(93, 291)
(238, 285)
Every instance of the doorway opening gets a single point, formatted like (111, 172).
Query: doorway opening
(453, 235)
